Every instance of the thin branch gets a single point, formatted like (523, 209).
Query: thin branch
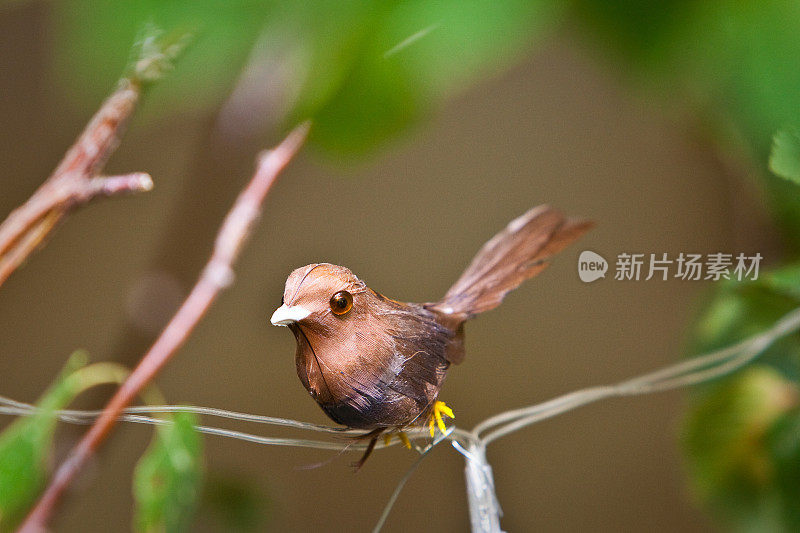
(74, 182)
(217, 275)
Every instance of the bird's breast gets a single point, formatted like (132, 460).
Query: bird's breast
(368, 380)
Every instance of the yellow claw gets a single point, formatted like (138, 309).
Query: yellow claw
(446, 410)
(440, 422)
(387, 439)
(439, 409)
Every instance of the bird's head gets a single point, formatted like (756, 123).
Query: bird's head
(320, 296)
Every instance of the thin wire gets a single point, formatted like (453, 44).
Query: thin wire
(74, 415)
(13, 407)
(669, 378)
(402, 483)
(239, 435)
(222, 413)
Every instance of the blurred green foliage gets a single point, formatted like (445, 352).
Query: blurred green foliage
(738, 448)
(93, 41)
(366, 71)
(783, 447)
(26, 446)
(784, 160)
(346, 70)
(742, 309)
(168, 477)
(730, 65)
(235, 503)
(737, 434)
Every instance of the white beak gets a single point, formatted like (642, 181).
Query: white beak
(285, 315)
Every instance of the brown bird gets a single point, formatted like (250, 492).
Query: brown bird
(378, 364)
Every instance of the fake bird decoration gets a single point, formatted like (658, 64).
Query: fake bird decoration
(378, 364)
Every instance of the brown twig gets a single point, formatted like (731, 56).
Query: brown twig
(77, 178)
(75, 181)
(217, 274)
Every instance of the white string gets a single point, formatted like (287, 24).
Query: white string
(697, 370)
(9, 406)
(141, 419)
(402, 483)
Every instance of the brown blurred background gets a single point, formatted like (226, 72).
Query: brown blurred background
(557, 128)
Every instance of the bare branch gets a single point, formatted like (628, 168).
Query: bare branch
(72, 183)
(76, 180)
(217, 275)
(125, 184)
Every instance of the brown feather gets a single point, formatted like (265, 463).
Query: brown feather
(520, 251)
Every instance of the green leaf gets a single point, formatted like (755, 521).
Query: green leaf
(26, 445)
(737, 459)
(167, 480)
(725, 439)
(785, 157)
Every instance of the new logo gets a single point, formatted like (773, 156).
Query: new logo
(591, 266)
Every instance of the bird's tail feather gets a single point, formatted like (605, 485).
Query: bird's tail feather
(520, 251)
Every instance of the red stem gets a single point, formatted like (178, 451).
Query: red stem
(217, 274)
(74, 181)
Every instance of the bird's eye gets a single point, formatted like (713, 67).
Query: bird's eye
(341, 303)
